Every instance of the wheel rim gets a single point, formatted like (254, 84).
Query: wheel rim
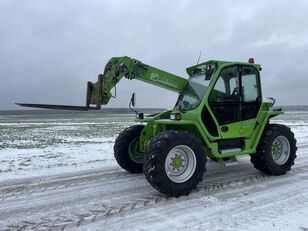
(180, 163)
(133, 152)
(280, 150)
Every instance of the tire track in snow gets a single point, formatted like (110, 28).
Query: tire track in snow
(136, 202)
(237, 208)
(63, 181)
(103, 195)
(257, 204)
(42, 184)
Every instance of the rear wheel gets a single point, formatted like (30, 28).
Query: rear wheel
(276, 151)
(174, 162)
(126, 149)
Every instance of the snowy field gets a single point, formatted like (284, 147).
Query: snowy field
(58, 172)
(43, 145)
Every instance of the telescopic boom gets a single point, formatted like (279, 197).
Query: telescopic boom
(99, 93)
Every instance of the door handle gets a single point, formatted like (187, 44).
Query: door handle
(224, 128)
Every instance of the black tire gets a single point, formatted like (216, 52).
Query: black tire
(264, 158)
(155, 158)
(121, 149)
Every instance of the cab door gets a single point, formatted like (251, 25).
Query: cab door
(235, 101)
(250, 98)
(225, 102)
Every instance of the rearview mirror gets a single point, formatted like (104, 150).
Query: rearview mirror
(208, 72)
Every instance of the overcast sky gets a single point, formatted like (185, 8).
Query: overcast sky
(49, 49)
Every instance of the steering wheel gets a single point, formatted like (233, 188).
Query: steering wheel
(186, 104)
(235, 91)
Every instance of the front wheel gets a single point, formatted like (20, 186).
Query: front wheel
(276, 151)
(126, 149)
(174, 162)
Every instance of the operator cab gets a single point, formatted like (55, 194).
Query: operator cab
(228, 94)
(236, 95)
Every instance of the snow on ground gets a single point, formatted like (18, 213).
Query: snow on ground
(42, 146)
(16, 163)
(58, 172)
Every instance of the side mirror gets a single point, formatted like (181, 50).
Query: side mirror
(133, 99)
(133, 103)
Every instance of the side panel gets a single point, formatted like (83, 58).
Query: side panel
(232, 130)
(250, 143)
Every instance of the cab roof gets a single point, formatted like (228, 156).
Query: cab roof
(217, 63)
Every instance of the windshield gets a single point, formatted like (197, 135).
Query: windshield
(193, 92)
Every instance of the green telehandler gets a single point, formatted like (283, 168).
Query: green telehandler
(219, 114)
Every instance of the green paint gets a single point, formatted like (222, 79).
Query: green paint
(276, 149)
(134, 148)
(177, 162)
